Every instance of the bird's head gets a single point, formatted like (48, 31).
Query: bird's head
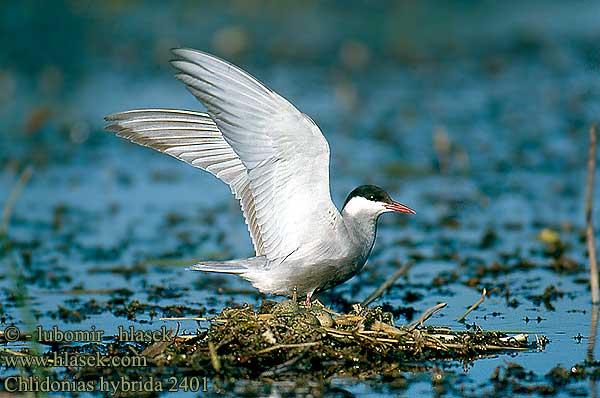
(370, 200)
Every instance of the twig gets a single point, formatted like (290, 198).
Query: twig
(379, 291)
(185, 318)
(426, 315)
(588, 216)
(8, 351)
(284, 366)
(12, 199)
(280, 346)
(471, 308)
(193, 318)
(214, 358)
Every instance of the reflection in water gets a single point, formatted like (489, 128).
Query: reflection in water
(592, 346)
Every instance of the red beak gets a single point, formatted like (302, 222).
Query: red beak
(399, 207)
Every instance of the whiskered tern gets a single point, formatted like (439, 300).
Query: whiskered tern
(276, 162)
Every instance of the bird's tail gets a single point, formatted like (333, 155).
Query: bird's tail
(238, 266)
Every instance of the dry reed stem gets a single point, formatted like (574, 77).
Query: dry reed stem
(588, 216)
(381, 289)
(426, 315)
(471, 308)
(12, 199)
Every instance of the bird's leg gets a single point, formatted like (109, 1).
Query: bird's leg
(307, 301)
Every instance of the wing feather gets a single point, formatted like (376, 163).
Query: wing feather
(195, 139)
(285, 153)
(274, 158)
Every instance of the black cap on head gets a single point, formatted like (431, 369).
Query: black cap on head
(370, 192)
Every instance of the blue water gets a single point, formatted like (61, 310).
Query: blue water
(513, 90)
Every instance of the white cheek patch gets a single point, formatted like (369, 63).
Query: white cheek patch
(358, 204)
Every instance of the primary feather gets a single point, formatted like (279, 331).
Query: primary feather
(194, 138)
(283, 151)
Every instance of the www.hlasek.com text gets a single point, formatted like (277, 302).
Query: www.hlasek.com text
(70, 359)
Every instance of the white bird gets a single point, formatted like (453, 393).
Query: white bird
(276, 162)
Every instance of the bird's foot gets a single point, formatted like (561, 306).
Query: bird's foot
(307, 302)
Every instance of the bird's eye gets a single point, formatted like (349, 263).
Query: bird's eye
(371, 197)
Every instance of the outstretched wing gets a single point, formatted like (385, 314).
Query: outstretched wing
(194, 138)
(283, 151)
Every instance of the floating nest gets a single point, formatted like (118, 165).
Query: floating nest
(284, 339)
